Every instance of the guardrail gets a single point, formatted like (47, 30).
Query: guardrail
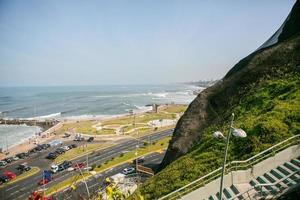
(232, 166)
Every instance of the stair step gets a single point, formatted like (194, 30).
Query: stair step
(234, 189)
(213, 197)
(228, 193)
(262, 190)
(273, 179)
(287, 170)
(296, 162)
(262, 180)
(291, 166)
(279, 175)
(284, 170)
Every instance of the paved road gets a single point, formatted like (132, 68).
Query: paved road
(22, 188)
(97, 182)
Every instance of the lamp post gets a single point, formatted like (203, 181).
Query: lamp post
(235, 132)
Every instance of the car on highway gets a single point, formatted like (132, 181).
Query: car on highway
(3, 178)
(43, 182)
(128, 170)
(54, 168)
(66, 164)
(10, 175)
(23, 167)
(79, 166)
(51, 156)
(139, 160)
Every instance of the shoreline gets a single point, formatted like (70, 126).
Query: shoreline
(49, 134)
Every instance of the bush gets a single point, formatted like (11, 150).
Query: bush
(93, 166)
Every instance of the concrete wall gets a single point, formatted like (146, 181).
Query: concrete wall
(244, 176)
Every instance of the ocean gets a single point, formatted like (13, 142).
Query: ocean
(72, 102)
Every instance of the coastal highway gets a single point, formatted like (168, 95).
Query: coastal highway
(22, 188)
(96, 182)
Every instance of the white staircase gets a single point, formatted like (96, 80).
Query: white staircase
(268, 185)
(266, 175)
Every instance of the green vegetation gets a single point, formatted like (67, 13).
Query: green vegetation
(80, 151)
(268, 110)
(80, 127)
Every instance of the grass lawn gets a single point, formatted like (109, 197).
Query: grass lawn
(25, 175)
(79, 151)
(127, 157)
(80, 127)
(175, 108)
(86, 127)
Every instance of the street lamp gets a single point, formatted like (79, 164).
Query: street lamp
(219, 135)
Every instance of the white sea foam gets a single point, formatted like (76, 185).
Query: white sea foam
(43, 117)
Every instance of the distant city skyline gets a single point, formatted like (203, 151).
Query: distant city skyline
(60, 42)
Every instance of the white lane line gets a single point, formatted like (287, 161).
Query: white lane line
(12, 187)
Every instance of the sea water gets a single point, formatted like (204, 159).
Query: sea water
(82, 102)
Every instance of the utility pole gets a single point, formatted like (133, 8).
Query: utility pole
(44, 183)
(86, 186)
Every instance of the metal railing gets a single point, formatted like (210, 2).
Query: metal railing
(233, 166)
(256, 191)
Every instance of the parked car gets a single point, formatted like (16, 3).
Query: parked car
(59, 151)
(79, 138)
(8, 159)
(10, 175)
(90, 139)
(4, 178)
(128, 170)
(45, 146)
(21, 155)
(15, 158)
(67, 135)
(74, 145)
(38, 148)
(51, 156)
(66, 148)
(23, 167)
(3, 163)
(32, 151)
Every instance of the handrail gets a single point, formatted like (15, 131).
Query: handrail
(265, 184)
(185, 189)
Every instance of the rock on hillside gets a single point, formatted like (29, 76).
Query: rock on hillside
(214, 103)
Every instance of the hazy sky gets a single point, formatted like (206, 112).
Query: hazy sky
(60, 42)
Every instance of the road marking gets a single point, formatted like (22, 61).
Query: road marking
(12, 187)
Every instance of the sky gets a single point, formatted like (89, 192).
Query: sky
(77, 42)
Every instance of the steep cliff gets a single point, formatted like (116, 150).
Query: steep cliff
(263, 92)
(216, 100)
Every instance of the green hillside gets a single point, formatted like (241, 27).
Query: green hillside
(269, 112)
